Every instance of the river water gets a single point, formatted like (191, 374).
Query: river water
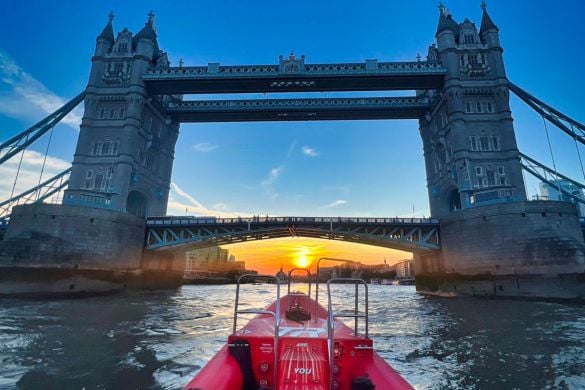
(159, 340)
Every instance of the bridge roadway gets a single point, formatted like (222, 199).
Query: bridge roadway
(176, 232)
(293, 75)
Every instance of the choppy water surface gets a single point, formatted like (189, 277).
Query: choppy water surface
(152, 340)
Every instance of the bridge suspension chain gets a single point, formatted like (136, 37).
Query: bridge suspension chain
(38, 193)
(20, 142)
(579, 155)
(567, 124)
(532, 166)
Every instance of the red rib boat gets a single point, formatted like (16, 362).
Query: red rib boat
(295, 343)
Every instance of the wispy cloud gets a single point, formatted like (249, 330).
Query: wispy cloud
(182, 203)
(204, 147)
(273, 174)
(307, 151)
(24, 97)
(220, 206)
(338, 202)
(291, 148)
(269, 180)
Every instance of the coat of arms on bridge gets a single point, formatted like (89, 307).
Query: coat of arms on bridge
(292, 64)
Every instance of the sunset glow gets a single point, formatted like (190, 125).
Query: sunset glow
(302, 261)
(266, 256)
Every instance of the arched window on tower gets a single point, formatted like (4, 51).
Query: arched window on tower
(454, 200)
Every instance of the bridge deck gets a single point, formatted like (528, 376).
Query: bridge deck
(409, 234)
(296, 77)
(299, 109)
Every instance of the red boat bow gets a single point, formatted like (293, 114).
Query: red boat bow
(303, 346)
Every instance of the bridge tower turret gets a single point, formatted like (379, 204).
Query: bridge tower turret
(469, 144)
(124, 155)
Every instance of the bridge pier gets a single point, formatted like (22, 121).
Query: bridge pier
(61, 249)
(510, 250)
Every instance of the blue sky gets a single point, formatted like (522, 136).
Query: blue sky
(300, 168)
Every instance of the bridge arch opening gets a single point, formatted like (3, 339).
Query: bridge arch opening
(137, 204)
(269, 256)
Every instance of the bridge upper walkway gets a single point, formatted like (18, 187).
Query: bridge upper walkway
(408, 234)
(293, 75)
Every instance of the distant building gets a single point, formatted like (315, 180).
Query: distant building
(551, 192)
(404, 269)
(281, 276)
(379, 268)
(214, 261)
(223, 255)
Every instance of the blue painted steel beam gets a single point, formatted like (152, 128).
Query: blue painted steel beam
(299, 109)
(301, 77)
(551, 171)
(568, 125)
(16, 144)
(48, 184)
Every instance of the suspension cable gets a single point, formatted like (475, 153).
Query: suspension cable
(44, 161)
(578, 152)
(16, 177)
(552, 156)
(524, 180)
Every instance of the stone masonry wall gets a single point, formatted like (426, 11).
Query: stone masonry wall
(51, 235)
(540, 237)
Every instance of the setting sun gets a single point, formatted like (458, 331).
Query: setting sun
(302, 261)
(302, 255)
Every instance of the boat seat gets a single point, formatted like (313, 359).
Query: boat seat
(297, 314)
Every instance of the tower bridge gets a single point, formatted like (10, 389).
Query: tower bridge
(484, 231)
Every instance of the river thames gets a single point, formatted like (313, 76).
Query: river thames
(160, 339)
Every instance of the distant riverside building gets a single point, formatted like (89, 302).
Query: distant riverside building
(213, 261)
(551, 192)
(379, 268)
(404, 269)
(281, 276)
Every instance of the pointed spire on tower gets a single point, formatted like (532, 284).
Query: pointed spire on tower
(486, 21)
(442, 8)
(151, 20)
(446, 21)
(108, 32)
(148, 31)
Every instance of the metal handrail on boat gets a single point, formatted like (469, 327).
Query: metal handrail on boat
(275, 314)
(317, 277)
(288, 290)
(331, 317)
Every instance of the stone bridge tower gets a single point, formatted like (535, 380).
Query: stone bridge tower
(469, 144)
(124, 155)
(493, 240)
